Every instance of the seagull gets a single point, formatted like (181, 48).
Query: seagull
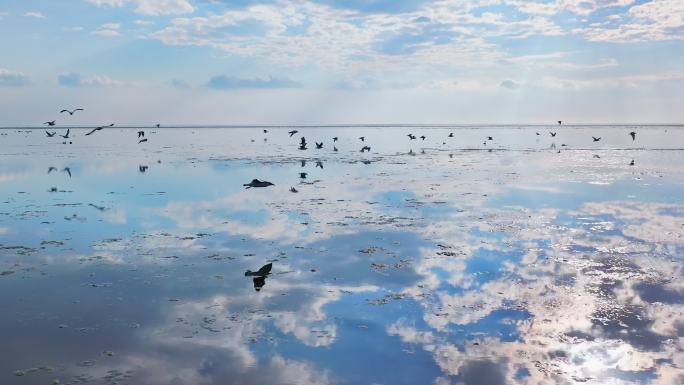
(50, 134)
(334, 148)
(262, 272)
(71, 112)
(596, 139)
(302, 175)
(302, 146)
(411, 136)
(67, 170)
(319, 164)
(99, 128)
(631, 163)
(633, 135)
(490, 138)
(142, 140)
(363, 138)
(51, 169)
(265, 131)
(422, 137)
(302, 141)
(553, 134)
(292, 132)
(141, 134)
(560, 122)
(66, 136)
(293, 190)
(50, 123)
(157, 125)
(335, 139)
(258, 183)
(319, 145)
(596, 156)
(537, 133)
(142, 168)
(451, 135)
(365, 148)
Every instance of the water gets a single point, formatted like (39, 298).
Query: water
(124, 263)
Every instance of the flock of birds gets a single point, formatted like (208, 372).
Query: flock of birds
(52, 123)
(319, 145)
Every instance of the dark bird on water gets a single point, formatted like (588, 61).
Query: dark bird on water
(537, 133)
(50, 123)
(265, 131)
(451, 135)
(631, 163)
(411, 136)
(633, 135)
(319, 145)
(99, 128)
(292, 132)
(258, 183)
(553, 134)
(142, 140)
(51, 169)
(141, 134)
(335, 139)
(363, 138)
(596, 139)
(302, 175)
(422, 137)
(50, 134)
(66, 136)
(67, 170)
(490, 138)
(319, 164)
(72, 111)
(262, 272)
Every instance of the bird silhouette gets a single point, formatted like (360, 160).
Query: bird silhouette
(157, 125)
(596, 156)
(99, 128)
(411, 136)
(422, 137)
(553, 134)
(334, 148)
(335, 139)
(365, 148)
(633, 135)
(72, 111)
(262, 272)
(451, 135)
(293, 190)
(50, 123)
(490, 138)
(631, 163)
(67, 170)
(319, 164)
(51, 169)
(560, 122)
(142, 140)
(537, 133)
(303, 162)
(50, 134)
(363, 138)
(258, 183)
(596, 139)
(302, 175)
(319, 145)
(292, 132)
(141, 134)
(265, 131)
(66, 136)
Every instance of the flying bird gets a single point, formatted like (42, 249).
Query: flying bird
(50, 123)
(258, 183)
(633, 135)
(631, 163)
(335, 139)
(142, 140)
(451, 135)
(66, 136)
(334, 148)
(319, 164)
(67, 170)
(292, 132)
(302, 175)
(411, 136)
(560, 122)
(157, 125)
(596, 139)
(422, 137)
(490, 138)
(363, 138)
(51, 169)
(365, 148)
(319, 145)
(265, 131)
(553, 134)
(71, 112)
(99, 128)
(141, 134)
(293, 190)
(50, 134)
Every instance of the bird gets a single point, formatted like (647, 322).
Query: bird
(596, 156)
(303, 162)
(258, 183)
(302, 175)
(302, 141)
(319, 145)
(302, 146)
(319, 164)
(537, 133)
(142, 140)
(363, 138)
(410, 152)
(451, 135)
(490, 138)
(262, 272)
(411, 136)
(293, 190)
(72, 111)
(67, 170)
(335, 139)
(157, 125)
(596, 139)
(66, 136)
(142, 168)
(335, 149)
(633, 135)
(99, 128)
(422, 137)
(50, 134)
(560, 122)
(365, 148)
(50, 123)
(292, 132)
(141, 134)
(631, 163)
(265, 131)
(51, 169)
(553, 134)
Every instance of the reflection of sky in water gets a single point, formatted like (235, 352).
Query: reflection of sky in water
(516, 266)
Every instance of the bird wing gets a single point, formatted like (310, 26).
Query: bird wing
(93, 130)
(63, 111)
(78, 109)
(265, 269)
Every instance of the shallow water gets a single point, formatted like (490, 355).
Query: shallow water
(475, 262)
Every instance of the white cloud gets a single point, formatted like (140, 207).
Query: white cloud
(150, 7)
(12, 78)
(34, 14)
(108, 30)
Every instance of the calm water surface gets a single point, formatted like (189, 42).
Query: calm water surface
(123, 263)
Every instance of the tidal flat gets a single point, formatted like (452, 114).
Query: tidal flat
(522, 259)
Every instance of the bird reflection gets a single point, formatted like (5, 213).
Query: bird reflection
(260, 275)
(303, 162)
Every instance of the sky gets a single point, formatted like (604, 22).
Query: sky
(308, 62)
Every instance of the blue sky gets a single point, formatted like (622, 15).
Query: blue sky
(347, 62)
